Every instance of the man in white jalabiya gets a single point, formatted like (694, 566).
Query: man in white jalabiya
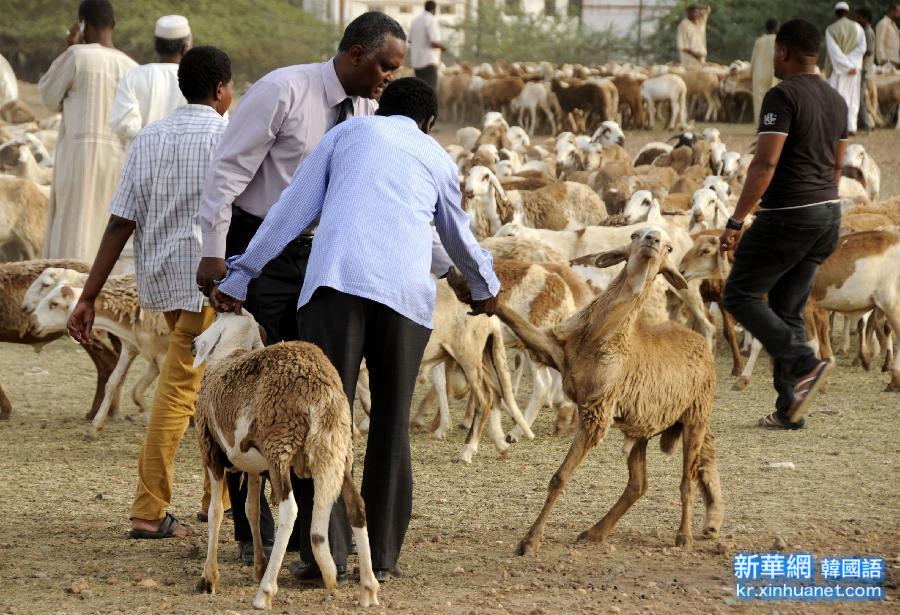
(762, 67)
(425, 45)
(150, 92)
(81, 83)
(846, 43)
(887, 38)
(691, 36)
(9, 87)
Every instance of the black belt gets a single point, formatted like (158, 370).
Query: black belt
(237, 213)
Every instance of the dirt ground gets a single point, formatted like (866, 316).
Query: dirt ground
(63, 547)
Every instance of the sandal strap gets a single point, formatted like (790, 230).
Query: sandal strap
(169, 525)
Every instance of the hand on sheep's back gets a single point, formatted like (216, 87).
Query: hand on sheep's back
(81, 322)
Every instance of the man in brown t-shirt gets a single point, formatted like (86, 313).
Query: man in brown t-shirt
(794, 176)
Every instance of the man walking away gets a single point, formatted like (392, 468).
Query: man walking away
(887, 38)
(864, 18)
(9, 85)
(279, 121)
(691, 36)
(425, 45)
(157, 200)
(762, 69)
(801, 142)
(81, 83)
(846, 44)
(368, 291)
(150, 92)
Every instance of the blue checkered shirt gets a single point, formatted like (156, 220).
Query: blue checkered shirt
(377, 184)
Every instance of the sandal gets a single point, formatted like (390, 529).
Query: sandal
(773, 421)
(805, 390)
(166, 530)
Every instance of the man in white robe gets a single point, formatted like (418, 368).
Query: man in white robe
(846, 43)
(81, 83)
(762, 66)
(887, 38)
(150, 92)
(9, 87)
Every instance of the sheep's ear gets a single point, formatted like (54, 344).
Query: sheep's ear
(67, 292)
(496, 184)
(673, 276)
(612, 257)
(203, 346)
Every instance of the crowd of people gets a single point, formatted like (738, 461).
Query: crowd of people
(294, 209)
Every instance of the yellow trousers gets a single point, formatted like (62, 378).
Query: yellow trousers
(173, 407)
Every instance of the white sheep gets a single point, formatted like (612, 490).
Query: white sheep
(609, 133)
(667, 87)
(857, 157)
(23, 218)
(272, 410)
(707, 211)
(467, 136)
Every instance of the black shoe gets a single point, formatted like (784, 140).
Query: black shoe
(384, 574)
(309, 574)
(245, 551)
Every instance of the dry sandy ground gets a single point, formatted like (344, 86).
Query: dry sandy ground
(63, 546)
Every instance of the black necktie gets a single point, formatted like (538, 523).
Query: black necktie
(345, 110)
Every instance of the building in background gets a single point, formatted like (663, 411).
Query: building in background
(633, 18)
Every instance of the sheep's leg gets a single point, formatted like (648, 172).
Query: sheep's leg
(363, 391)
(737, 359)
(692, 439)
(216, 511)
(540, 386)
(439, 378)
(252, 508)
(636, 487)
(866, 331)
(591, 429)
(892, 313)
(5, 406)
(744, 379)
(105, 360)
(501, 373)
(495, 427)
(138, 393)
(356, 514)
(651, 111)
(673, 112)
(318, 532)
(850, 320)
(427, 402)
(885, 340)
(711, 487)
(481, 409)
(113, 387)
(287, 514)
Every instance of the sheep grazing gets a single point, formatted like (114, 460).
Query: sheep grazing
(500, 92)
(643, 379)
(268, 410)
(588, 97)
(535, 97)
(16, 326)
(650, 152)
(23, 218)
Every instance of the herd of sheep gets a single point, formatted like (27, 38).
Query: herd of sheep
(608, 259)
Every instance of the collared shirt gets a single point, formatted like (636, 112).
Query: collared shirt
(160, 190)
(278, 122)
(378, 182)
(423, 31)
(144, 95)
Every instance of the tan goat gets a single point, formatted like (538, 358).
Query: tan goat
(644, 379)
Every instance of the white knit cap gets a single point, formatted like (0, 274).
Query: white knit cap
(841, 6)
(172, 27)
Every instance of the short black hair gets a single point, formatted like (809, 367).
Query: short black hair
(409, 96)
(201, 70)
(170, 46)
(865, 13)
(771, 26)
(369, 31)
(800, 37)
(98, 13)
(431, 5)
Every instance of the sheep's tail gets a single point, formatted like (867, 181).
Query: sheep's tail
(669, 438)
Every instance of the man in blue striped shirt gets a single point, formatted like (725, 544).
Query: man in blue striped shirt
(376, 183)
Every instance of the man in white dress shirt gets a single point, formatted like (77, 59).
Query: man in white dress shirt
(425, 45)
(150, 92)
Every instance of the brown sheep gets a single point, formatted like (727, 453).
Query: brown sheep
(629, 90)
(645, 379)
(23, 209)
(588, 97)
(16, 112)
(496, 94)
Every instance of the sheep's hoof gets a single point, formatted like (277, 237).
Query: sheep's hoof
(736, 371)
(368, 596)
(89, 437)
(892, 387)
(588, 536)
(439, 434)
(740, 384)
(466, 454)
(683, 540)
(709, 533)
(511, 439)
(526, 547)
(205, 586)
(263, 600)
